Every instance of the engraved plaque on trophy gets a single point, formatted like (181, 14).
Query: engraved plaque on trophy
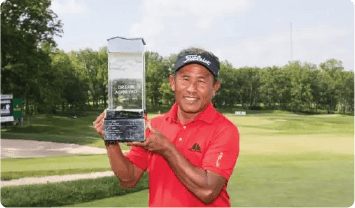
(126, 90)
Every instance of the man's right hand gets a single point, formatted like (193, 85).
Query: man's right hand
(99, 124)
(127, 173)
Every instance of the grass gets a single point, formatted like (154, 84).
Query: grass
(65, 193)
(42, 173)
(285, 160)
(304, 180)
(136, 199)
(294, 160)
(13, 168)
(59, 128)
(62, 129)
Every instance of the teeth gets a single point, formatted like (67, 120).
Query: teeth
(191, 99)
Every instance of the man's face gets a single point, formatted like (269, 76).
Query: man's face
(194, 88)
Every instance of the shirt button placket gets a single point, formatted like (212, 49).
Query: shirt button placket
(180, 139)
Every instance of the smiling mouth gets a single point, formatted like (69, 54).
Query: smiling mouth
(190, 98)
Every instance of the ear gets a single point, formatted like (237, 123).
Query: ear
(216, 87)
(172, 82)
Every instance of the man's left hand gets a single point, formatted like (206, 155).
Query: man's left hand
(156, 142)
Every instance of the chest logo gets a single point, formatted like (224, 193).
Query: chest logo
(196, 147)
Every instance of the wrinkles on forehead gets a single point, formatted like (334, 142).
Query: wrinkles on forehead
(206, 74)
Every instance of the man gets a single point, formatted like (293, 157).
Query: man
(190, 152)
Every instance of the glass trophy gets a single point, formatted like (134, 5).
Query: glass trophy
(124, 119)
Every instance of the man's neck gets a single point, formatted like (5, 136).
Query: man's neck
(184, 117)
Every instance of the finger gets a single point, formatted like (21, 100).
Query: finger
(141, 144)
(102, 128)
(102, 133)
(98, 125)
(146, 116)
(102, 115)
(144, 144)
(150, 126)
(99, 118)
(135, 144)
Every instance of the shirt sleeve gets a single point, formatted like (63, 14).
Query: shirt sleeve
(223, 150)
(139, 156)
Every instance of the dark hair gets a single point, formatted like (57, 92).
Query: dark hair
(201, 51)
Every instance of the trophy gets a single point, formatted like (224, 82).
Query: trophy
(124, 119)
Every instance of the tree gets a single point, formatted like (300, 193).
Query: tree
(167, 94)
(25, 65)
(157, 72)
(330, 83)
(347, 94)
(227, 95)
(301, 94)
(248, 91)
(102, 75)
(91, 68)
(270, 85)
(70, 89)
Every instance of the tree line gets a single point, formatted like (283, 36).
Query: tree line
(50, 80)
(297, 87)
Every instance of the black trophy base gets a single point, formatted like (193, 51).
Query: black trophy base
(124, 126)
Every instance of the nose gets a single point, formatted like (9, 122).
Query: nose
(192, 87)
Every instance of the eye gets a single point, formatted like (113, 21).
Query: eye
(201, 81)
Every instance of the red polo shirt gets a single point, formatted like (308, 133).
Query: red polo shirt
(210, 142)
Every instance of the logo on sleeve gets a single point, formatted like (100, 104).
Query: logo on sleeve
(219, 158)
(196, 147)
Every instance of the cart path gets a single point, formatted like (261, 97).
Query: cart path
(55, 178)
(15, 148)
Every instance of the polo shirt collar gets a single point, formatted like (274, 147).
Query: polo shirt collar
(207, 115)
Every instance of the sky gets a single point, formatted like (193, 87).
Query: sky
(253, 33)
